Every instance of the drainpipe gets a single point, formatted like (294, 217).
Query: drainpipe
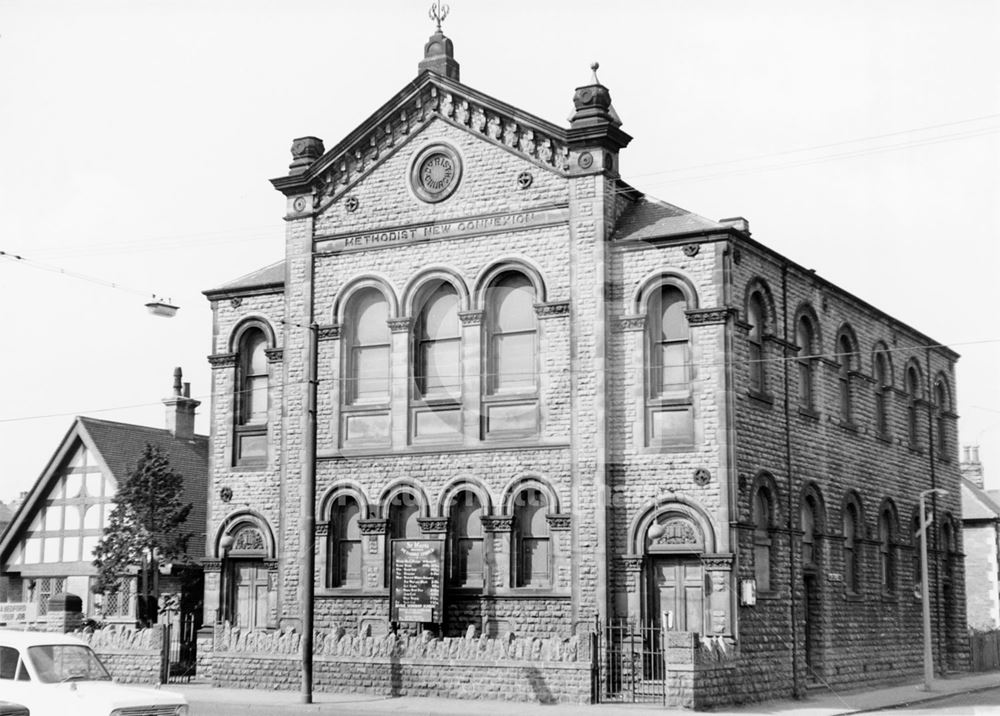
(791, 481)
(942, 643)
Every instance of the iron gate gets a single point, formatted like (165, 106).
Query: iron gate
(628, 664)
(180, 639)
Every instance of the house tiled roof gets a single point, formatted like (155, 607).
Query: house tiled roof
(121, 444)
(269, 277)
(978, 504)
(650, 218)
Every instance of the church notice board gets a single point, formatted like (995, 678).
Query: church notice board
(416, 593)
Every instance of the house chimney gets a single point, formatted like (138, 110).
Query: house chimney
(972, 469)
(180, 409)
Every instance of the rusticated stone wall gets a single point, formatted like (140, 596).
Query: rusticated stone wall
(132, 656)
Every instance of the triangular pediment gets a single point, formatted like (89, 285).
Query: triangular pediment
(430, 97)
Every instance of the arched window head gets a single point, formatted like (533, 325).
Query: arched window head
(512, 335)
(438, 364)
(845, 351)
(367, 344)
(882, 386)
(913, 406)
(668, 341)
(344, 569)
(762, 539)
(887, 558)
(851, 555)
(466, 531)
(804, 339)
(531, 548)
(755, 318)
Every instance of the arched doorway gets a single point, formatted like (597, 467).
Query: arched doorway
(248, 598)
(675, 578)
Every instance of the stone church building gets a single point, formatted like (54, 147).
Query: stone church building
(604, 407)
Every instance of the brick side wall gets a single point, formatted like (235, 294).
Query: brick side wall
(981, 585)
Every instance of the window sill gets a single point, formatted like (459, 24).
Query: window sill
(854, 597)
(761, 397)
(351, 592)
(528, 593)
(768, 596)
(890, 597)
(884, 437)
(809, 413)
(662, 449)
(848, 425)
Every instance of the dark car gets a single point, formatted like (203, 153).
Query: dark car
(9, 709)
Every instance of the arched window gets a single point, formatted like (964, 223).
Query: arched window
(755, 318)
(531, 550)
(948, 548)
(513, 343)
(886, 553)
(882, 388)
(438, 364)
(367, 347)
(251, 399)
(916, 537)
(762, 540)
(345, 543)
(846, 355)
(851, 557)
(941, 409)
(669, 416)
(806, 343)
(466, 531)
(913, 406)
(810, 555)
(403, 513)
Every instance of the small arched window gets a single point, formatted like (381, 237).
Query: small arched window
(367, 345)
(466, 531)
(913, 406)
(438, 364)
(804, 339)
(755, 318)
(882, 388)
(344, 550)
(886, 550)
(531, 548)
(762, 539)
(512, 341)
(845, 352)
(851, 556)
(250, 445)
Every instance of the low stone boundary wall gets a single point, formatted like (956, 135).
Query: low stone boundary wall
(133, 656)
(541, 670)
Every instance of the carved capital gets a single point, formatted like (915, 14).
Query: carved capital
(497, 523)
(633, 562)
(717, 562)
(632, 323)
(329, 333)
(559, 522)
(222, 360)
(433, 525)
(274, 355)
(707, 316)
(552, 309)
(211, 565)
(470, 318)
(400, 325)
(322, 529)
(373, 526)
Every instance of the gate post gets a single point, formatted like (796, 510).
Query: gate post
(164, 652)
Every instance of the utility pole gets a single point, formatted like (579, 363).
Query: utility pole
(308, 521)
(925, 522)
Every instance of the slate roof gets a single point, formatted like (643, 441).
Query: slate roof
(268, 278)
(978, 504)
(650, 218)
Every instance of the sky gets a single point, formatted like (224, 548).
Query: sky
(137, 138)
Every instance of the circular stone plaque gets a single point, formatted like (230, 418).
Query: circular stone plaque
(435, 173)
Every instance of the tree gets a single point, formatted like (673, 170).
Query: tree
(144, 526)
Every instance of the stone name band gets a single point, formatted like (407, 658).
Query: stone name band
(443, 230)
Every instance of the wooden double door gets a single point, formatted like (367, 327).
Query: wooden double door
(677, 592)
(248, 593)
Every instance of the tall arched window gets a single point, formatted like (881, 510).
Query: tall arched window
(466, 532)
(882, 388)
(755, 318)
(942, 408)
(438, 365)
(531, 540)
(251, 399)
(845, 350)
(511, 333)
(762, 540)
(669, 416)
(806, 343)
(403, 513)
(367, 346)
(810, 555)
(913, 406)
(345, 543)
(886, 553)
(851, 557)
(916, 537)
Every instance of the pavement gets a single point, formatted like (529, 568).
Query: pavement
(819, 702)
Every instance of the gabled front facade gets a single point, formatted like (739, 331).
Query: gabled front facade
(603, 406)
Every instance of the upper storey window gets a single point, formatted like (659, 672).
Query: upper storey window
(669, 414)
(755, 319)
(882, 391)
(913, 406)
(845, 349)
(251, 399)
(438, 368)
(804, 338)
(368, 343)
(942, 407)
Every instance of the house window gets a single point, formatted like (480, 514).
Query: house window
(887, 560)
(808, 518)
(403, 513)
(804, 338)
(345, 543)
(368, 342)
(438, 368)
(755, 318)
(669, 415)
(762, 540)
(941, 409)
(511, 357)
(917, 537)
(466, 532)
(912, 406)
(531, 547)
(851, 570)
(251, 399)
(882, 386)
(846, 355)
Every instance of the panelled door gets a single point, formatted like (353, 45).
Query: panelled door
(250, 591)
(677, 586)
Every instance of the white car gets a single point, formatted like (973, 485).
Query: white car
(57, 675)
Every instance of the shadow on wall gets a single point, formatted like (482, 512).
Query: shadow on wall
(538, 685)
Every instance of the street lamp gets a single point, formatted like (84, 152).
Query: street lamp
(925, 591)
(225, 542)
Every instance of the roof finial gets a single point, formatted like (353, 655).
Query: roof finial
(438, 13)
(595, 66)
